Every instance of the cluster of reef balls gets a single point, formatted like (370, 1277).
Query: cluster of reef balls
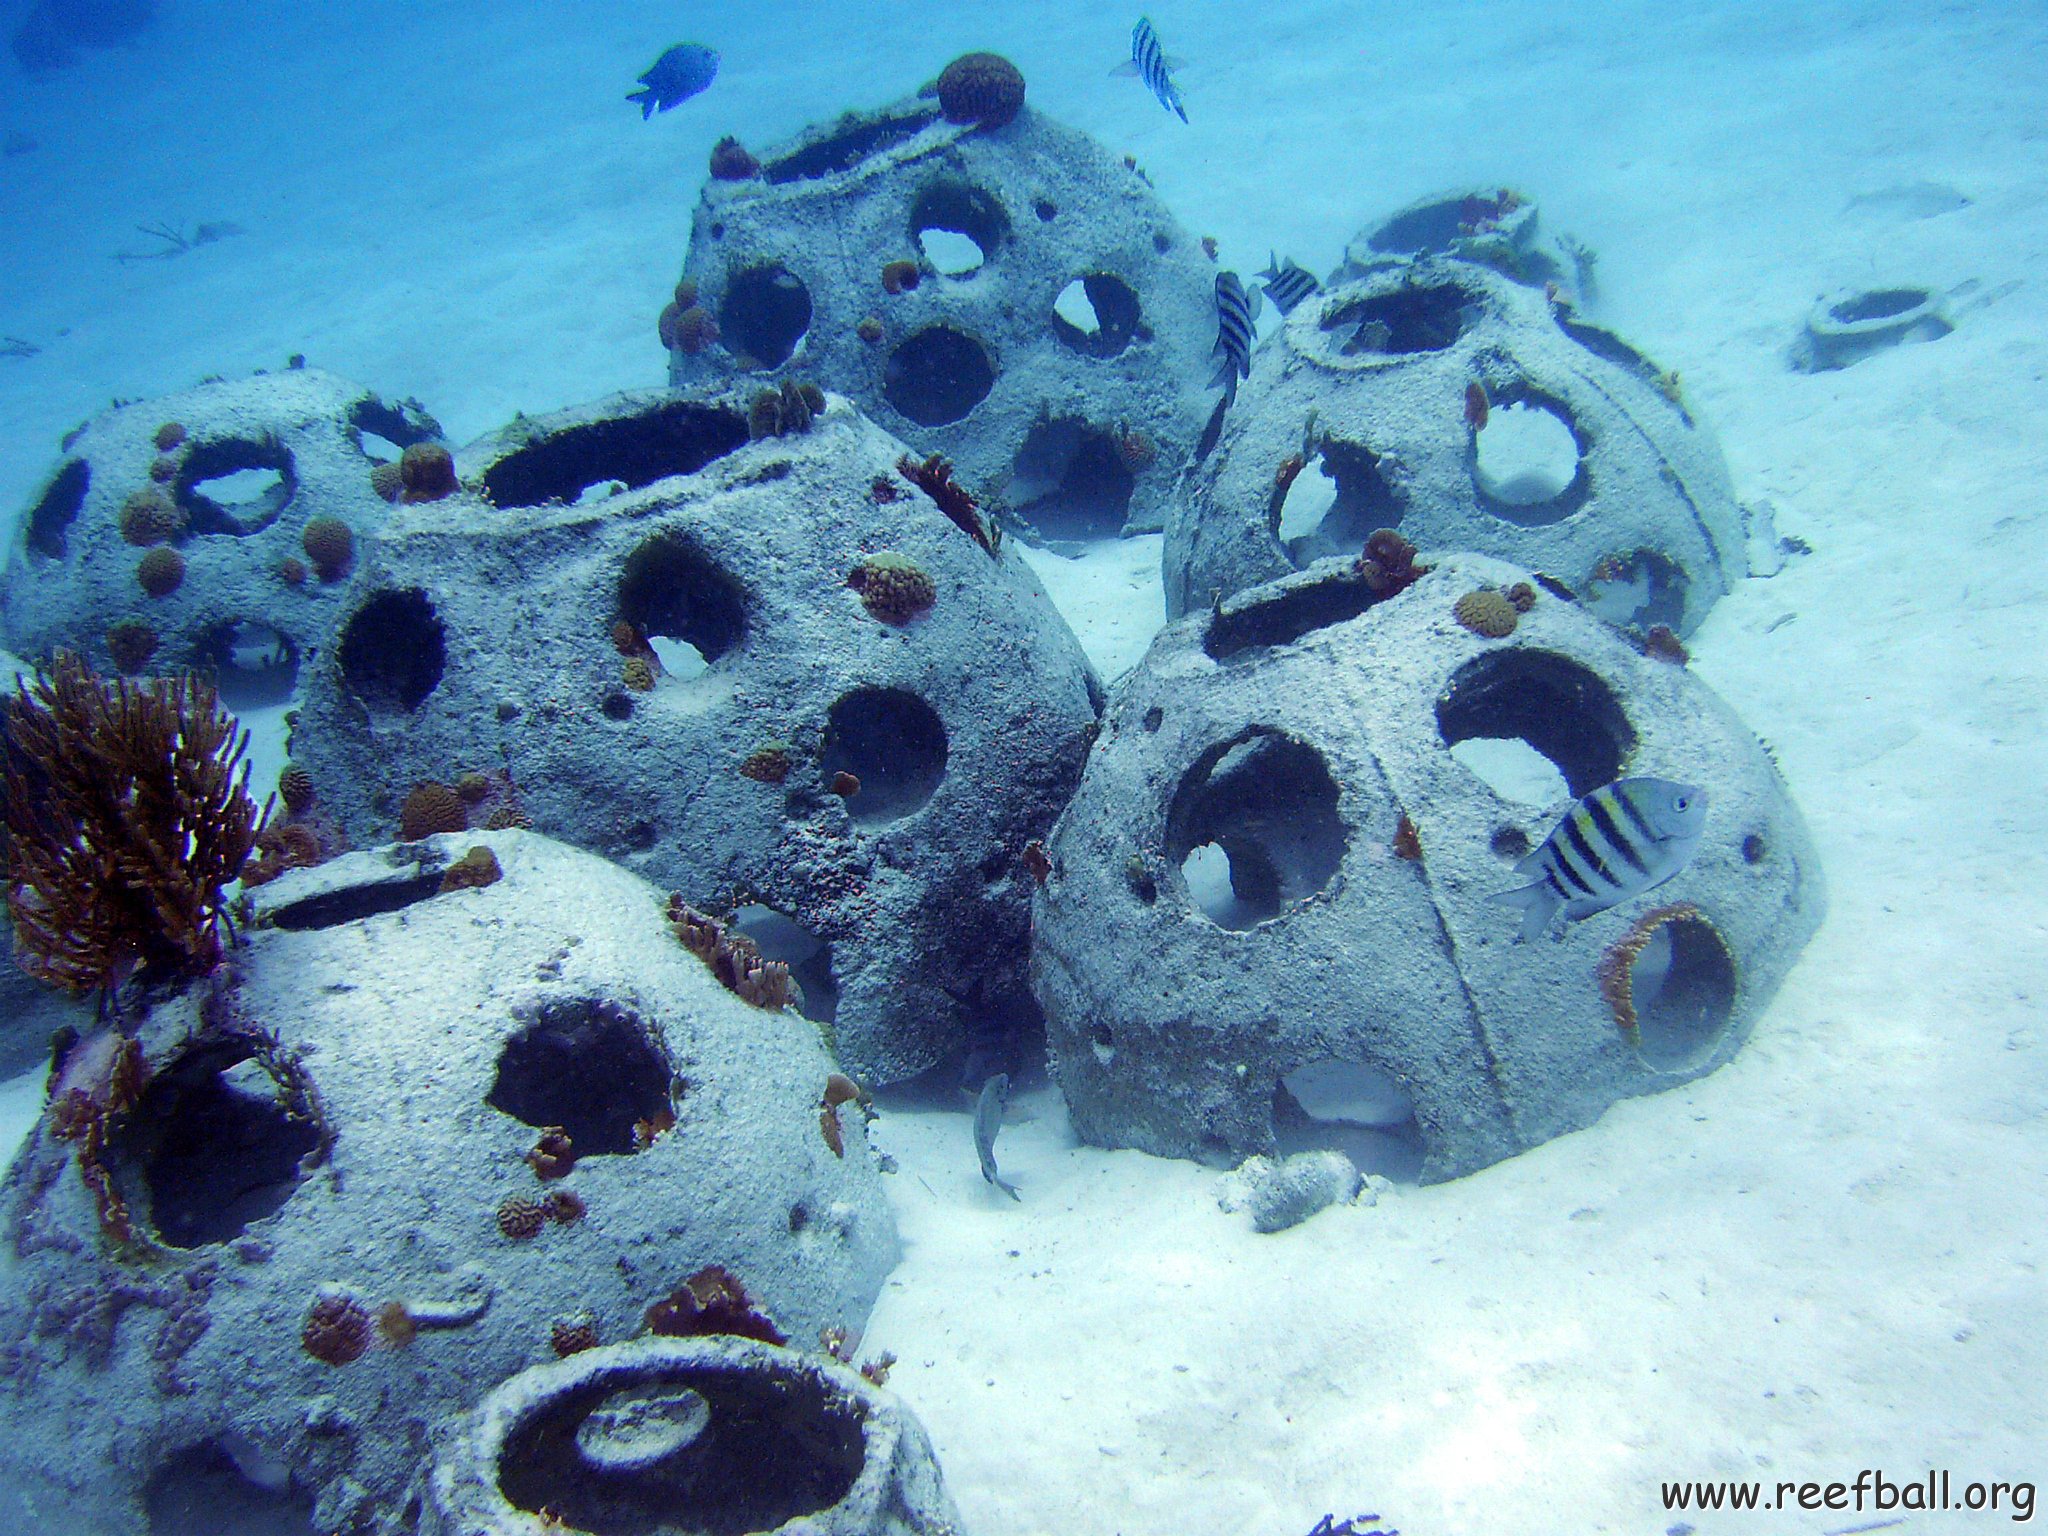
(848, 805)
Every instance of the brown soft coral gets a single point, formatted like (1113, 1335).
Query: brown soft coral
(279, 848)
(128, 814)
(935, 478)
(983, 88)
(712, 1301)
(892, 587)
(733, 958)
(899, 276)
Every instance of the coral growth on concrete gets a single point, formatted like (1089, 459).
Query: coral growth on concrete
(1487, 612)
(983, 88)
(892, 587)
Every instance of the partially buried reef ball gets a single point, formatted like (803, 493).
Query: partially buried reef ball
(983, 88)
(427, 471)
(161, 571)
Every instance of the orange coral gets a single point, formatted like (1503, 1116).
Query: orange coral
(647, 1131)
(1486, 612)
(161, 572)
(427, 473)
(472, 872)
(331, 545)
(432, 807)
(892, 587)
(553, 1156)
(151, 517)
(1407, 842)
(337, 1330)
(983, 88)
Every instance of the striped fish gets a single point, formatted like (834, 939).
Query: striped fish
(1150, 64)
(1286, 283)
(1621, 840)
(1235, 312)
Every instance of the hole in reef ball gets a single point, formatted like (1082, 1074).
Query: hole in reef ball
(217, 1143)
(587, 1066)
(393, 652)
(1642, 589)
(764, 314)
(1683, 986)
(1070, 481)
(1254, 828)
(1350, 1107)
(253, 664)
(1527, 455)
(937, 375)
(671, 590)
(1557, 709)
(50, 519)
(674, 437)
(209, 1490)
(809, 958)
(1339, 498)
(1420, 319)
(1096, 315)
(958, 227)
(894, 743)
(235, 485)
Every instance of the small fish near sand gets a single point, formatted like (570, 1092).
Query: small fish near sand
(1235, 312)
(1287, 283)
(1621, 840)
(1151, 64)
(676, 76)
(988, 1119)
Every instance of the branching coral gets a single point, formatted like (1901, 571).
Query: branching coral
(935, 478)
(128, 814)
(734, 958)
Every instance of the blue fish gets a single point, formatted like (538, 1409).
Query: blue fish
(676, 76)
(1150, 63)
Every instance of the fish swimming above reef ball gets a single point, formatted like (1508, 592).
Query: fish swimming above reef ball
(1235, 312)
(988, 1119)
(1286, 283)
(1151, 65)
(676, 76)
(1621, 840)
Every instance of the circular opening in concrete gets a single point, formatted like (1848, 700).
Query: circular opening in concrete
(1526, 455)
(843, 149)
(809, 958)
(893, 743)
(1682, 983)
(1336, 499)
(585, 1066)
(1070, 481)
(1879, 304)
(778, 1444)
(204, 1490)
(937, 375)
(1425, 318)
(764, 314)
(1637, 590)
(958, 227)
(217, 1138)
(235, 485)
(49, 520)
(393, 652)
(674, 437)
(1353, 1108)
(1096, 315)
(1555, 708)
(1253, 828)
(253, 664)
(671, 591)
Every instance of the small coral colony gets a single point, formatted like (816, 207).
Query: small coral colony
(756, 647)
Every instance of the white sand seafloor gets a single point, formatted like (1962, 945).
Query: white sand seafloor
(1826, 1257)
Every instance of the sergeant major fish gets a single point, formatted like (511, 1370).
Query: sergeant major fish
(1235, 312)
(988, 1119)
(1151, 65)
(675, 77)
(1286, 283)
(1621, 840)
